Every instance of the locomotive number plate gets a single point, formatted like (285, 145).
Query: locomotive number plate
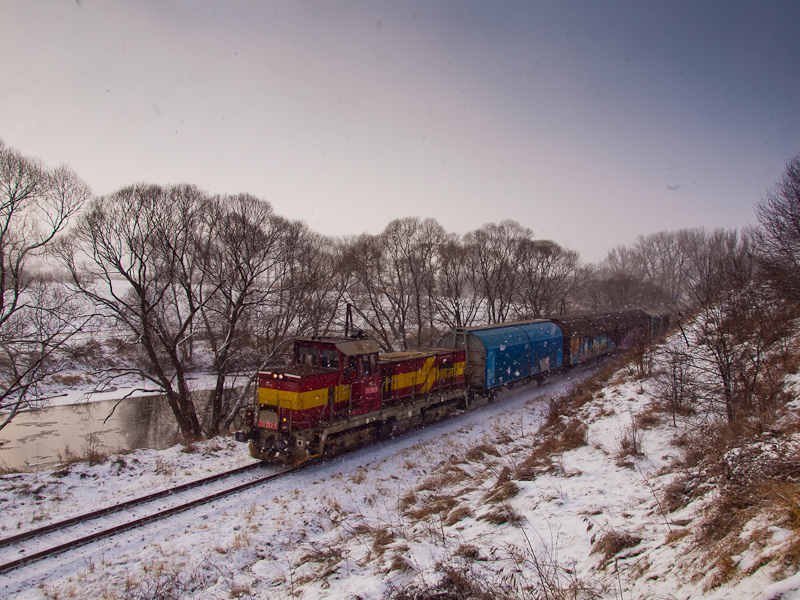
(267, 425)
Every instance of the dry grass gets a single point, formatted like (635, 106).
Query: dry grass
(450, 475)
(502, 492)
(676, 535)
(477, 453)
(456, 581)
(381, 538)
(501, 515)
(503, 489)
(163, 467)
(574, 435)
(649, 417)
(327, 557)
(560, 436)
(756, 477)
(208, 448)
(612, 543)
(724, 571)
(468, 551)
(457, 514)
(358, 476)
(400, 562)
(753, 476)
(67, 380)
(436, 506)
(190, 448)
(504, 437)
(92, 453)
(406, 501)
(160, 581)
(677, 494)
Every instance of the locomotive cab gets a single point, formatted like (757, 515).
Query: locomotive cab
(329, 379)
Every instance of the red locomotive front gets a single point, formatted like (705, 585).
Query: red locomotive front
(330, 379)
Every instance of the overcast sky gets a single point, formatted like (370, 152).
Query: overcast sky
(589, 122)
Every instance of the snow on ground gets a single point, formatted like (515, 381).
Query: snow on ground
(395, 514)
(34, 499)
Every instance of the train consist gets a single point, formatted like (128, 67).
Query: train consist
(342, 392)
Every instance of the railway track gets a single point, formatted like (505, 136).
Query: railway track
(32, 545)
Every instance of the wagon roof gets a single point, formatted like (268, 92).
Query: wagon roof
(501, 325)
(607, 322)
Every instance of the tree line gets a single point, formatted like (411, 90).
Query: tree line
(160, 282)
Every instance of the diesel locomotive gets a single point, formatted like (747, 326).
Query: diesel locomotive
(342, 392)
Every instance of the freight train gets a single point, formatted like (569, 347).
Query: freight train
(341, 392)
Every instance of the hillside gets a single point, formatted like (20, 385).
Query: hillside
(581, 488)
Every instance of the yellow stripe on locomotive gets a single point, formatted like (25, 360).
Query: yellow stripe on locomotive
(419, 372)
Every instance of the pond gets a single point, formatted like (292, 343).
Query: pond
(48, 436)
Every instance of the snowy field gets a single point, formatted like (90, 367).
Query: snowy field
(396, 514)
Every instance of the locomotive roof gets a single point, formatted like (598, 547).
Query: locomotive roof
(347, 346)
(416, 353)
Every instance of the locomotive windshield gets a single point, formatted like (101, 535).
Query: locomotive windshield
(329, 357)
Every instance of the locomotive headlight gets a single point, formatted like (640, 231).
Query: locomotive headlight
(280, 376)
(274, 375)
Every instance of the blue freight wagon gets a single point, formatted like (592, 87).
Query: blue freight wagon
(504, 353)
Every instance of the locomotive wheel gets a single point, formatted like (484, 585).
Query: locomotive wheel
(383, 430)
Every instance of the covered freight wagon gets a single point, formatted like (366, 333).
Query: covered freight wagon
(503, 353)
(587, 337)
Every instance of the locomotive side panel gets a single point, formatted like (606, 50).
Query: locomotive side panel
(414, 373)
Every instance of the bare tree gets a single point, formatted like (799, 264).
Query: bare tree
(498, 250)
(410, 246)
(779, 217)
(316, 284)
(243, 267)
(381, 291)
(619, 291)
(457, 301)
(730, 342)
(134, 255)
(36, 317)
(663, 257)
(547, 273)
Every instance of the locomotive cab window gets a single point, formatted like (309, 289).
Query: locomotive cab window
(369, 364)
(329, 357)
(351, 372)
(307, 356)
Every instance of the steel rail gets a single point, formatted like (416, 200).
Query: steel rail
(114, 530)
(32, 533)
